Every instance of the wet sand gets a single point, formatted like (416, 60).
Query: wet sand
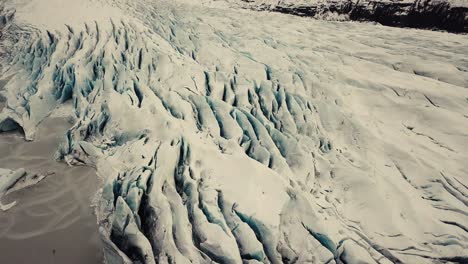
(52, 221)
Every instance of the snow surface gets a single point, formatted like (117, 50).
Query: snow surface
(237, 136)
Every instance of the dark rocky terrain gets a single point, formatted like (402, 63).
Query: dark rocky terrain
(429, 14)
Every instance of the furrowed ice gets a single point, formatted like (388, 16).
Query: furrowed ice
(244, 137)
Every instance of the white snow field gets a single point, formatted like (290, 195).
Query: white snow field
(234, 136)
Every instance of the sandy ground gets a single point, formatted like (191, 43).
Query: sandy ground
(53, 221)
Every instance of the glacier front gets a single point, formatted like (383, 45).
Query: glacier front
(226, 135)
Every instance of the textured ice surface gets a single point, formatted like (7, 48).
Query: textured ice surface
(234, 136)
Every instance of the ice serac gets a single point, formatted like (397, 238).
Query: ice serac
(252, 137)
(451, 15)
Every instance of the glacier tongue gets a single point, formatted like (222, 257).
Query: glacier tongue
(232, 136)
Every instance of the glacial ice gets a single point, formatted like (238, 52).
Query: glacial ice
(13, 180)
(234, 136)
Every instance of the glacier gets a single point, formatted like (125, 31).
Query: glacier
(226, 135)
